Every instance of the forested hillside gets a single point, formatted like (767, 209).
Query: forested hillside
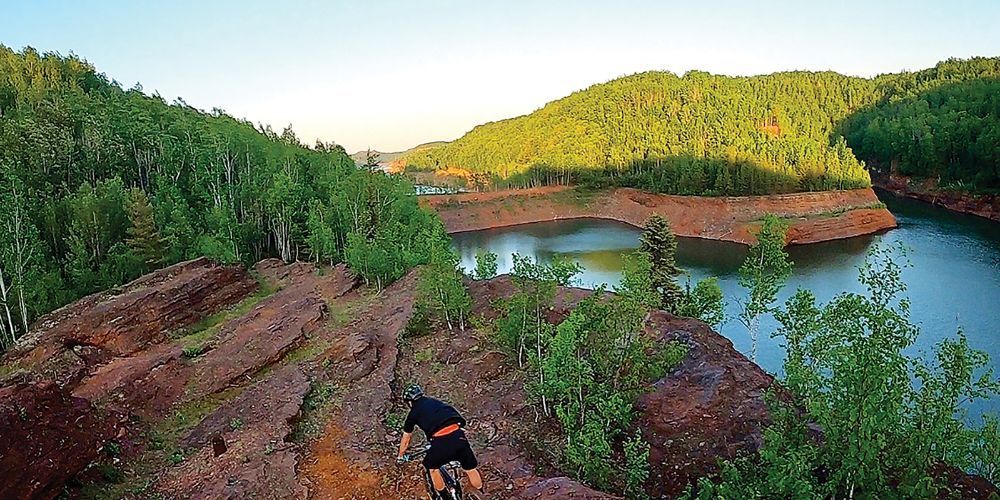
(361, 157)
(712, 135)
(101, 184)
(950, 133)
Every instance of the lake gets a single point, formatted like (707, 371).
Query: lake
(954, 280)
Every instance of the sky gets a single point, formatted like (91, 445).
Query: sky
(388, 75)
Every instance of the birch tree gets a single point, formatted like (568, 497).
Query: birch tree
(762, 274)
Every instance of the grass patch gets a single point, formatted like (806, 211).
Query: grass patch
(309, 350)
(134, 478)
(395, 418)
(11, 368)
(315, 410)
(201, 333)
(193, 351)
(830, 213)
(580, 196)
(423, 355)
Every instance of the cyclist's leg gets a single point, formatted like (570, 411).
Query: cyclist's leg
(467, 458)
(437, 456)
(475, 479)
(430, 485)
(437, 479)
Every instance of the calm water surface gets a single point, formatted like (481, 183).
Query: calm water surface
(954, 282)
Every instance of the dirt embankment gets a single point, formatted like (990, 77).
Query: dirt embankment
(813, 217)
(927, 191)
(198, 382)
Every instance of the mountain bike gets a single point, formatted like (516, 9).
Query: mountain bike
(451, 472)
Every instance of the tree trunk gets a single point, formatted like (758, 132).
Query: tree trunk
(6, 306)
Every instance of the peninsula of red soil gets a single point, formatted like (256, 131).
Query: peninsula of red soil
(813, 217)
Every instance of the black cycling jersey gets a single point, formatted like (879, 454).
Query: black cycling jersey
(431, 416)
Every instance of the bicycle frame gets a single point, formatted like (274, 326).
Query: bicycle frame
(450, 474)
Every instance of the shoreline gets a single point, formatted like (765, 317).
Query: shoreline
(985, 206)
(813, 217)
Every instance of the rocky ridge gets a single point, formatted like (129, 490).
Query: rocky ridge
(207, 381)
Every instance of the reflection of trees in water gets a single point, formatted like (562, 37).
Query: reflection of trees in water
(605, 260)
(822, 255)
(715, 257)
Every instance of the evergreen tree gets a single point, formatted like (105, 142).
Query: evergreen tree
(659, 243)
(144, 239)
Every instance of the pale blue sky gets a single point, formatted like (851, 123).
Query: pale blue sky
(391, 74)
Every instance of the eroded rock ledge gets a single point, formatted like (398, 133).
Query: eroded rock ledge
(813, 217)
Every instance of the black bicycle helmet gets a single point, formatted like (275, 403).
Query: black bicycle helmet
(413, 392)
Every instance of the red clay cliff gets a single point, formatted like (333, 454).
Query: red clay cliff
(813, 217)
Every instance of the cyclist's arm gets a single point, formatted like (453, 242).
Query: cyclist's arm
(408, 426)
(404, 444)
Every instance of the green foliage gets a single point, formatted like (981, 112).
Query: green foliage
(176, 457)
(112, 448)
(522, 329)
(441, 292)
(659, 243)
(144, 240)
(111, 473)
(486, 266)
(703, 302)
(636, 470)
(106, 184)
(763, 273)
(984, 449)
(945, 126)
(850, 376)
(193, 351)
(590, 369)
(315, 410)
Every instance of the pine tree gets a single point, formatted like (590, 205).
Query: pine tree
(144, 239)
(659, 243)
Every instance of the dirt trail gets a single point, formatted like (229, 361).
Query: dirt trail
(354, 457)
(813, 217)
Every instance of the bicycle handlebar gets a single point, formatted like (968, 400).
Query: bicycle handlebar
(409, 457)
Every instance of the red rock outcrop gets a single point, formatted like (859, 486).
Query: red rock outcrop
(814, 217)
(561, 487)
(256, 462)
(46, 437)
(710, 408)
(320, 330)
(124, 321)
(59, 433)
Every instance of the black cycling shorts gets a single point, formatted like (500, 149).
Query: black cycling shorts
(453, 447)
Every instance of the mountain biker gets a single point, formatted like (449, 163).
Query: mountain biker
(442, 425)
